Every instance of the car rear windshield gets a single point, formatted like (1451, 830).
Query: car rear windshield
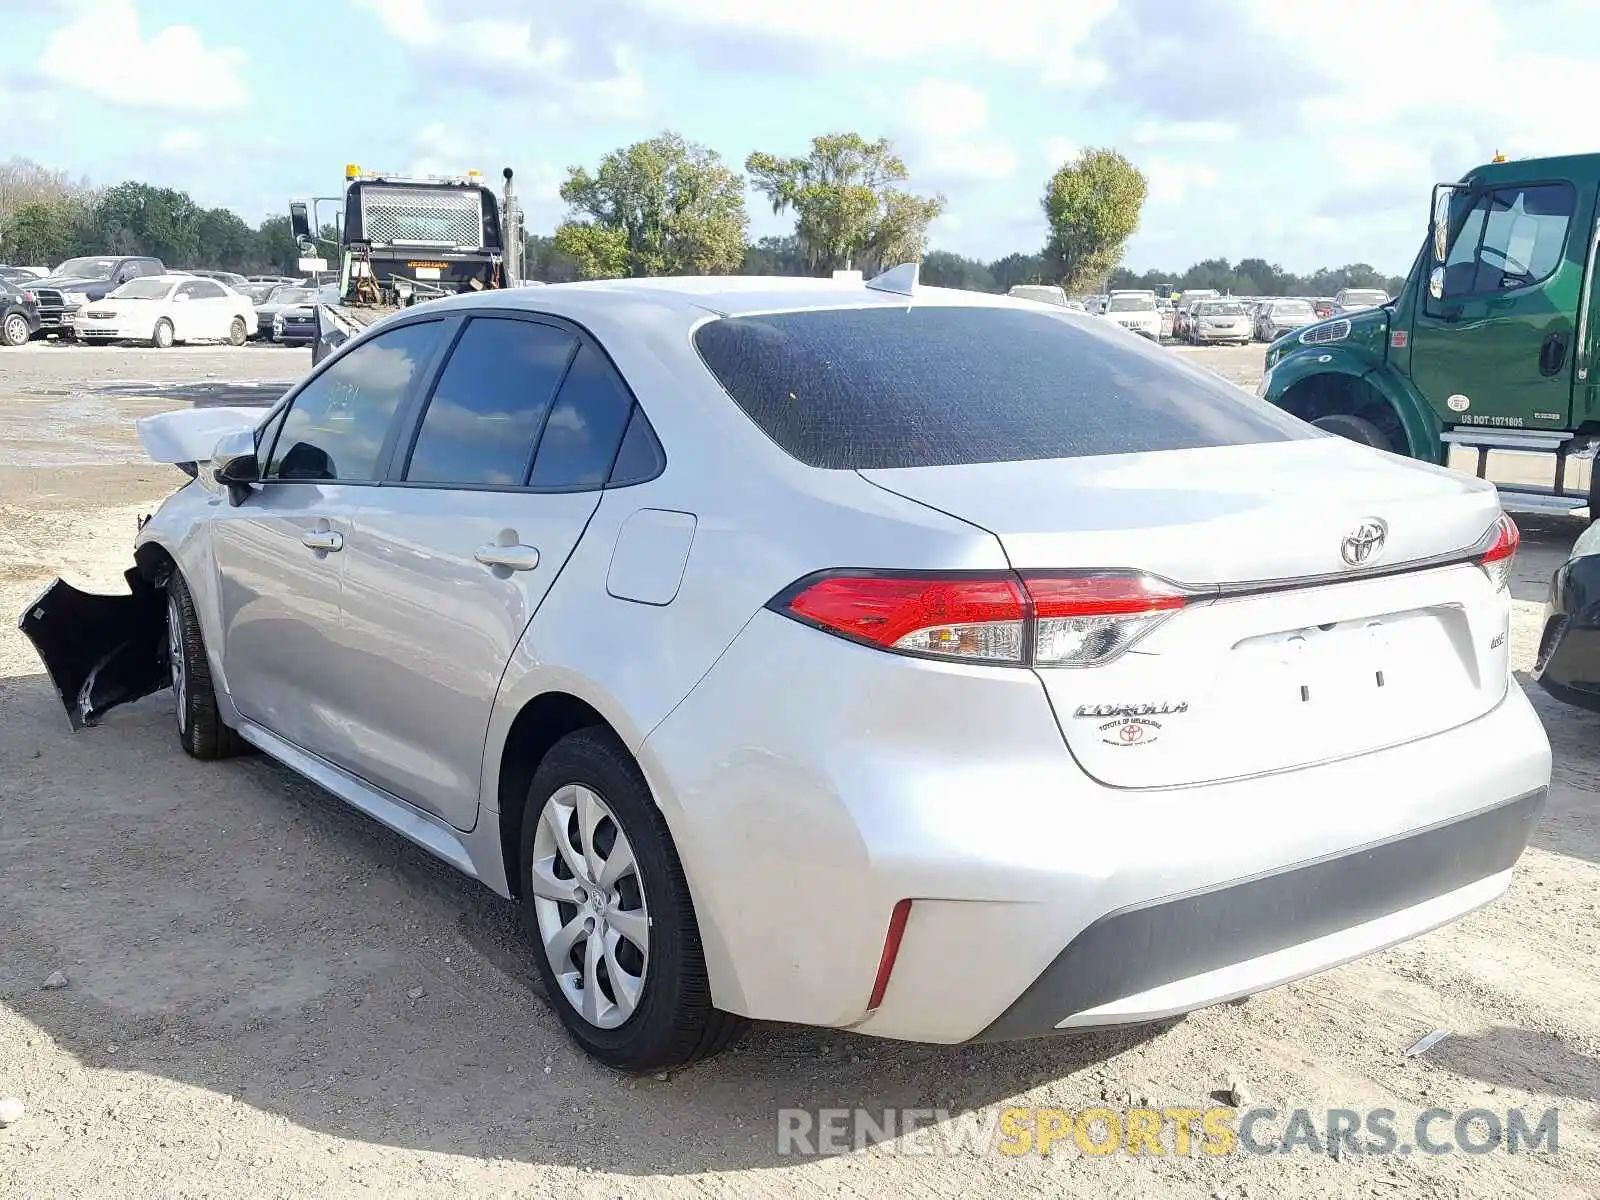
(1132, 304)
(859, 389)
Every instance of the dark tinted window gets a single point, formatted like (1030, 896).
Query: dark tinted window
(640, 457)
(1512, 237)
(895, 387)
(337, 425)
(490, 401)
(585, 426)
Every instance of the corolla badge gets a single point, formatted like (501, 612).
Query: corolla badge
(1364, 542)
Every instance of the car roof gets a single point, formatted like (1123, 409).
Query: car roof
(693, 297)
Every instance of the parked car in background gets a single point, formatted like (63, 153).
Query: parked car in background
(726, 785)
(1168, 312)
(19, 314)
(281, 297)
(230, 279)
(1136, 312)
(1041, 293)
(78, 281)
(23, 276)
(296, 325)
(1324, 307)
(258, 290)
(1219, 321)
(1356, 299)
(164, 309)
(1274, 318)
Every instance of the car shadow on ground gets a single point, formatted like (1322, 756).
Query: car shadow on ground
(1543, 1062)
(231, 927)
(1568, 825)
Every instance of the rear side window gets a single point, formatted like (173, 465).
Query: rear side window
(491, 399)
(872, 388)
(585, 428)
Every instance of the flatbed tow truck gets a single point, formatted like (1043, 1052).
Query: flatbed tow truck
(1491, 344)
(403, 240)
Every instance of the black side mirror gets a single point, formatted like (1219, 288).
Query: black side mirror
(234, 465)
(300, 221)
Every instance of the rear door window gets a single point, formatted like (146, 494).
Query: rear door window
(874, 388)
(584, 432)
(491, 400)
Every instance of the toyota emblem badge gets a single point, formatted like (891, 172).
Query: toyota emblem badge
(1364, 542)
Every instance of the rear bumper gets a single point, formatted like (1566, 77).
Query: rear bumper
(1172, 956)
(811, 785)
(1568, 662)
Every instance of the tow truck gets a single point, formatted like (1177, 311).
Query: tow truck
(402, 240)
(1489, 346)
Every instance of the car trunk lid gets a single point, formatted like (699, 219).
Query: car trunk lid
(1286, 654)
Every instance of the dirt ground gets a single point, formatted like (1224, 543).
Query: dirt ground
(271, 996)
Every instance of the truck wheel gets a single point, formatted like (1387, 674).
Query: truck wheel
(1357, 429)
(161, 337)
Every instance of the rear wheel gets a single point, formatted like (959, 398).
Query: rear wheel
(237, 332)
(200, 726)
(161, 338)
(15, 330)
(1357, 429)
(605, 898)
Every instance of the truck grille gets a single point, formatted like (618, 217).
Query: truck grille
(1335, 332)
(449, 217)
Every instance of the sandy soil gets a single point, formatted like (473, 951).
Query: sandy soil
(270, 995)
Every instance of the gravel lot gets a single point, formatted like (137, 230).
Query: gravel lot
(269, 995)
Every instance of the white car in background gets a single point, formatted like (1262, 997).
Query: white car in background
(163, 309)
(1136, 312)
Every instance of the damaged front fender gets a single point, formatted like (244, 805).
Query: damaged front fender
(100, 651)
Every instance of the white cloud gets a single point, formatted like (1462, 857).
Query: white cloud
(1045, 33)
(496, 53)
(439, 149)
(1171, 182)
(1152, 132)
(180, 142)
(947, 126)
(103, 51)
(1058, 151)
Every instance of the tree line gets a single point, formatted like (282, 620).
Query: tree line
(669, 206)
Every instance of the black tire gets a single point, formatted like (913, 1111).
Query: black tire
(200, 726)
(161, 336)
(238, 333)
(675, 1022)
(1357, 429)
(14, 330)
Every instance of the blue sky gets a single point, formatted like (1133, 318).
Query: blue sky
(1265, 129)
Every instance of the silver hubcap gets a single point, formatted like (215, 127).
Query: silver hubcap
(180, 681)
(16, 330)
(590, 905)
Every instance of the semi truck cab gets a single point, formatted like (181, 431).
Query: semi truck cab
(1491, 344)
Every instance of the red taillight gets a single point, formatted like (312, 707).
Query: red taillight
(1497, 559)
(891, 951)
(29, 298)
(1053, 619)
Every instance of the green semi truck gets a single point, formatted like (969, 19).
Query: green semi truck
(1491, 344)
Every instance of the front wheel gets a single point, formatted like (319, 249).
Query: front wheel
(1357, 429)
(237, 333)
(15, 331)
(161, 337)
(604, 895)
(200, 725)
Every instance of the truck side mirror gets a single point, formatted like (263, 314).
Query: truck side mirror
(1436, 283)
(300, 221)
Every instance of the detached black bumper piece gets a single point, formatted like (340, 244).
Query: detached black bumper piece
(100, 651)
(1131, 951)
(1568, 663)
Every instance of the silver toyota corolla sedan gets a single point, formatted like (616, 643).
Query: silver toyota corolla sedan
(927, 664)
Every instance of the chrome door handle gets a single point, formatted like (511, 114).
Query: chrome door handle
(322, 539)
(513, 558)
